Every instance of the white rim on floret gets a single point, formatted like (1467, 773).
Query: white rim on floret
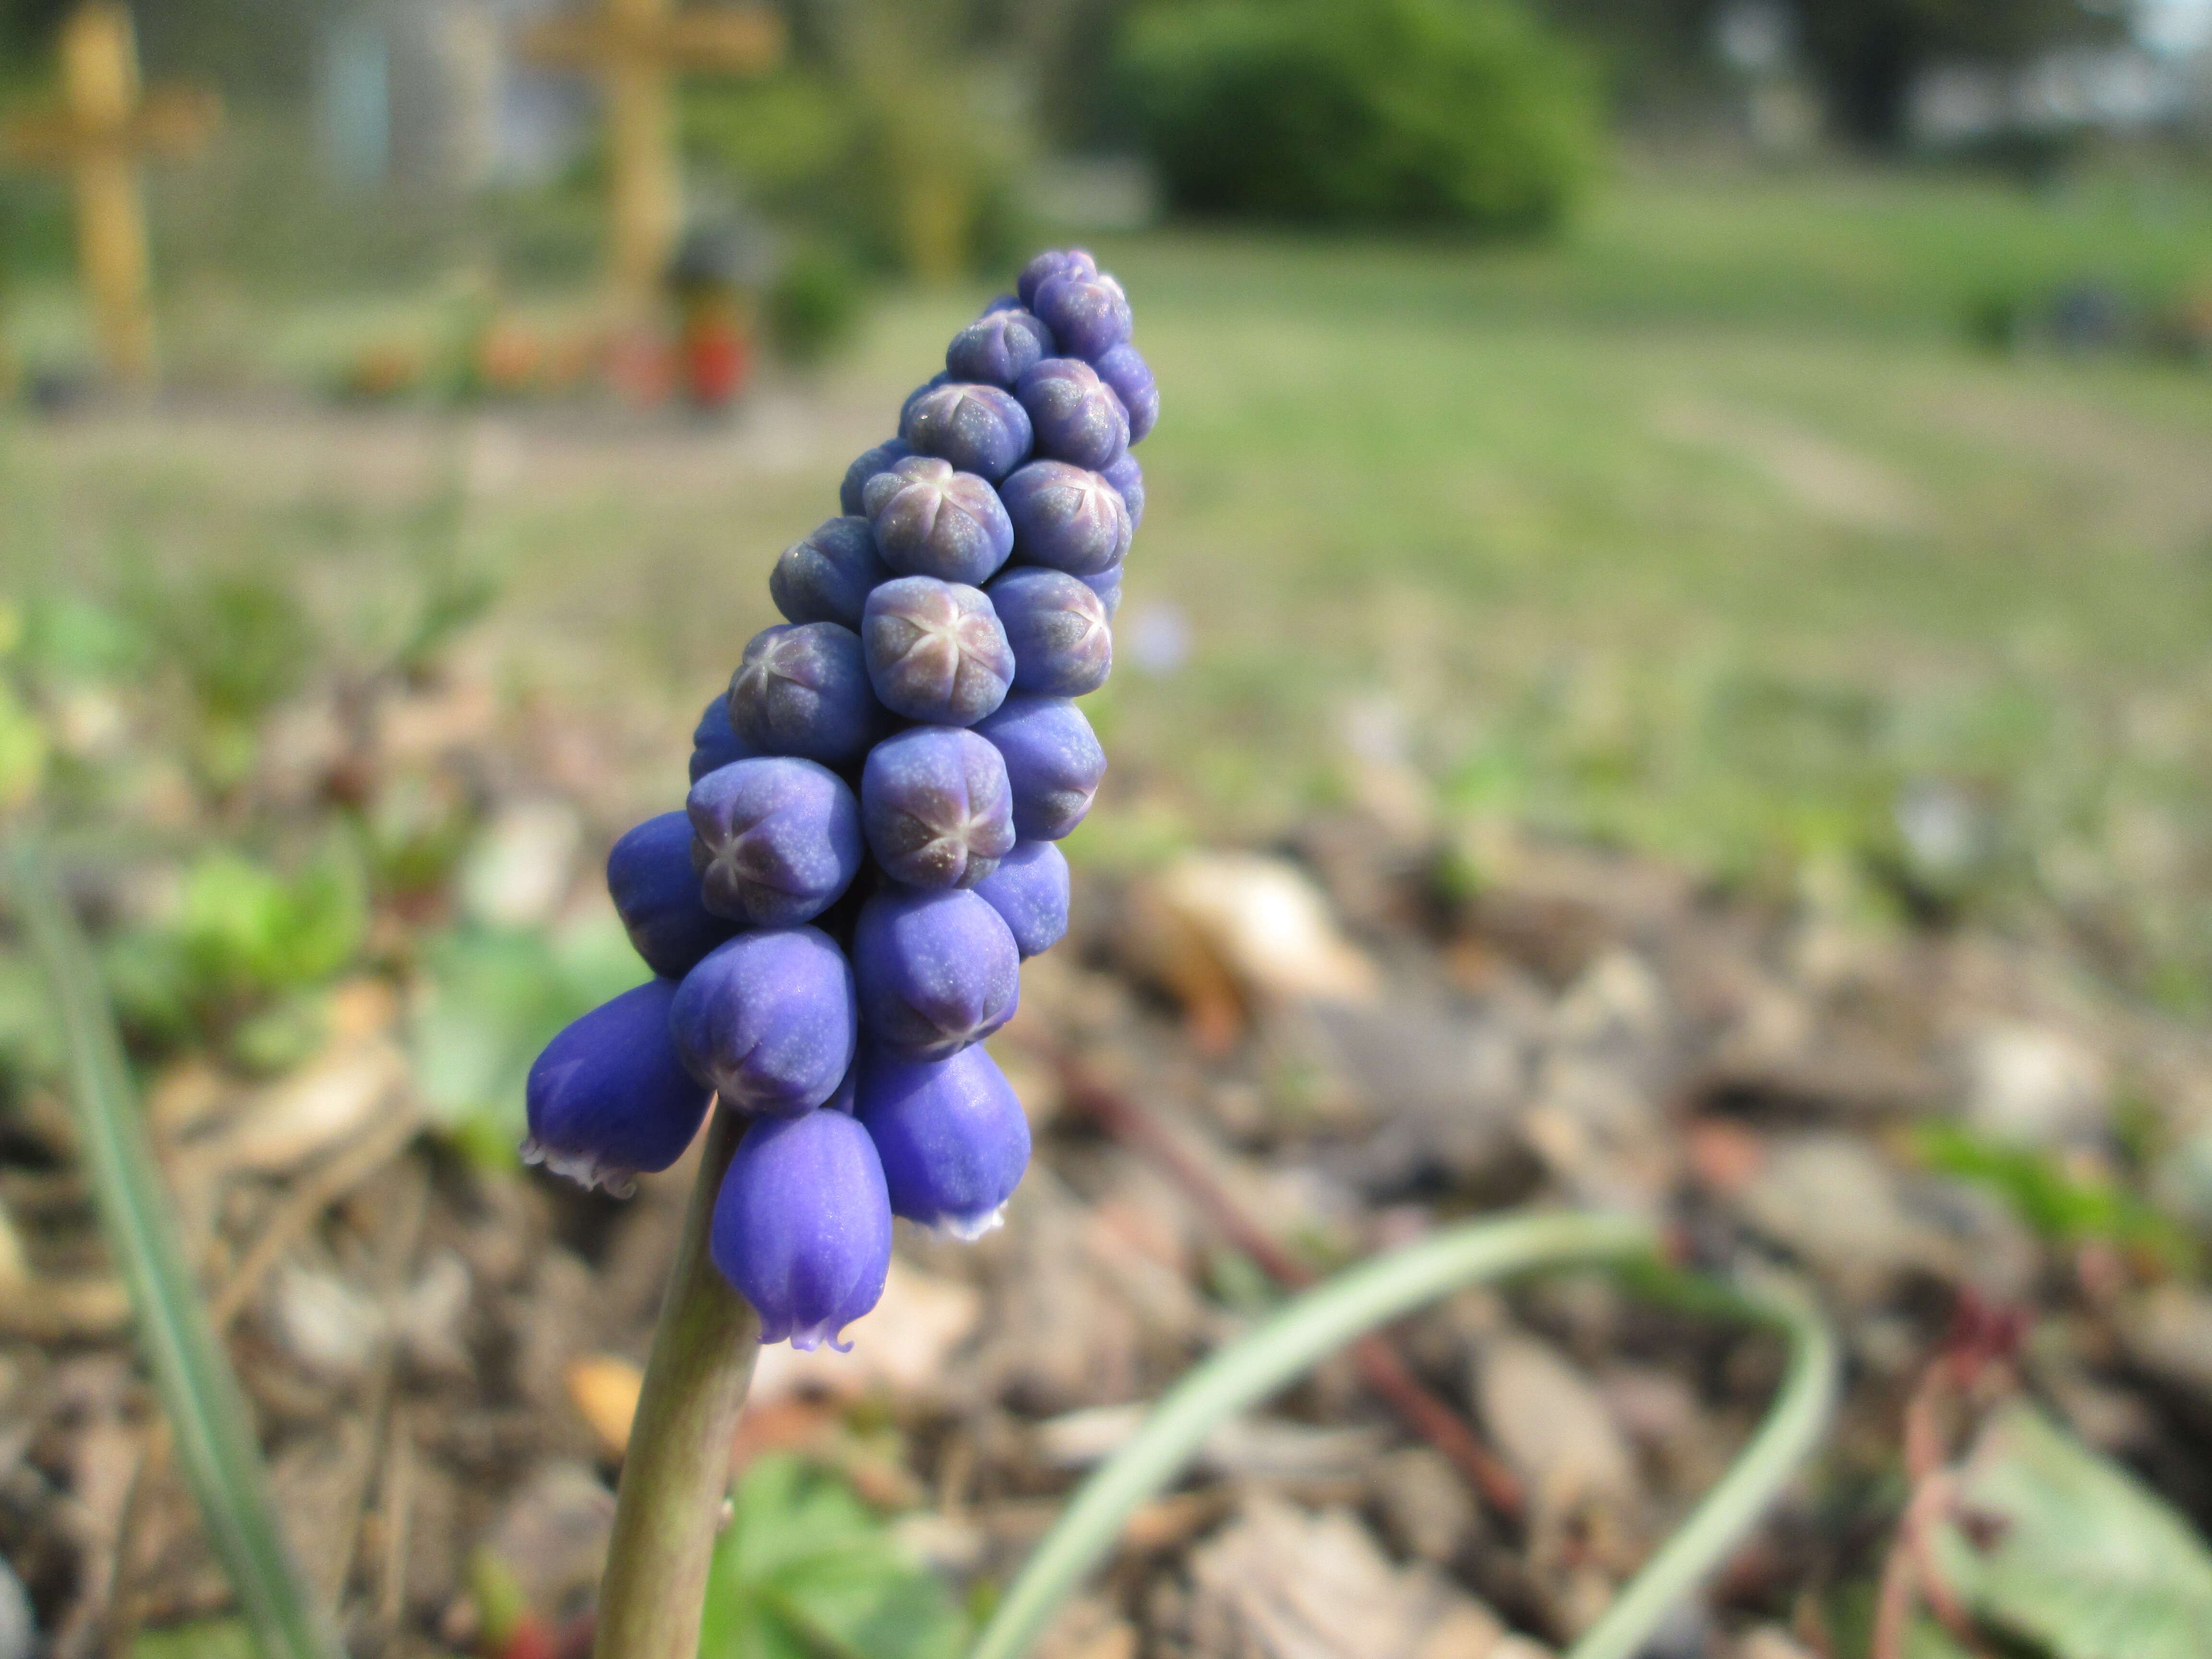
(586, 1169)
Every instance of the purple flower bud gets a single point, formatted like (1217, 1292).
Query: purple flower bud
(1088, 315)
(979, 428)
(935, 651)
(826, 577)
(1004, 302)
(1053, 761)
(994, 349)
(905, 408)
(769, 1020)
(935, 804)
(1077, 418)
(1056, 624)
(1067, 518)
(776, 840)
(1029, 890)
(1131, 377)
(609, 1097)
(803, 690)
(713, 743)
(1106, 585)
(882, 458)
(951, 1134)
(1128, 479)
(1058, 262)
(656, 893)
(936, 971)
(803, 1226)
(930, 520)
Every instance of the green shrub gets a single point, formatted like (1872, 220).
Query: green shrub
(1444, 113)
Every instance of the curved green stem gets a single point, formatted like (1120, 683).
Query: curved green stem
(1373, 1294)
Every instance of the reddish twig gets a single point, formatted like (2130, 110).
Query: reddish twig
(1383, 1368)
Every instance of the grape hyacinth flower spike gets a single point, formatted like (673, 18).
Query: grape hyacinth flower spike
(836, 919)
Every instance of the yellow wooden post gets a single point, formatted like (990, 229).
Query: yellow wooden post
(103, 127)
(635, 47)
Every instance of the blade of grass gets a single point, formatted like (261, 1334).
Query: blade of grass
(213, 1437)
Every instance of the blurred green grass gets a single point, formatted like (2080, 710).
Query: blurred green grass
(1704, 529)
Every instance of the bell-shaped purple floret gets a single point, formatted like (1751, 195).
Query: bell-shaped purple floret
(715, 742)
(979, 428)
(656, 893)
(882, 458)
(951, 1134)
(1077, 418)
(1089, 316)
(1056, 261)
(609, 1097)
(775, 840)
(936, 971)
(803, 689)
(769, 1020)
(1131, 377)
(996, 347)
(1029, 890)
(930, 520)
(1053, 761)
(1128, 480)
(1065, 517)
(935, 651)
(1003, 303)
(935, 804)
(803, 1226)
(1057, 626)
(827, 576)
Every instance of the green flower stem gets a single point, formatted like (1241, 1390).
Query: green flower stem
(1374, 1293)
(677, 1470)
(212, 1432)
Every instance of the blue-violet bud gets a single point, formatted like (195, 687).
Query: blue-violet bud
(656, 893)
(994, 349)
(826, 576)
(1029, 890)
(715, 742)
(769, 1019)
(1077, 418)
(935, 651)
(776, 840)
(951, 1134)
(1089, 316)
(935, 804)
(1055, 261)
(803, 1226)
(1065, 517)
(1057, 626)
(882, 458)
(1053, 762)
(609, 1097)
(1131, 377)
(931, 520)
(979, 428)
(803, 689)
(1128, 481)
(936, 971)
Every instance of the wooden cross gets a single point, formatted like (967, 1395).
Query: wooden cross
(635, 47)
(103, 127)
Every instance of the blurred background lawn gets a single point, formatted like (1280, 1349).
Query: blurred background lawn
(1775, 438)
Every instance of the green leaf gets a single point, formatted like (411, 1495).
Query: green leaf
(206, 1638)
(804, 1570)
(496, 997)
(213, 1437)
(2066, 1550)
